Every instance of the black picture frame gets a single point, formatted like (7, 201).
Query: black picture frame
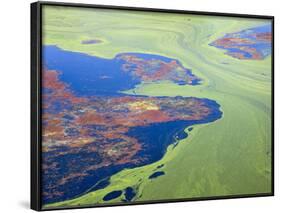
(36, 118)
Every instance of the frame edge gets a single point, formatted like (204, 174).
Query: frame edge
(35, 160)
(153, 9)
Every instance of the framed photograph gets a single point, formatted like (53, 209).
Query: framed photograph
(140, 105)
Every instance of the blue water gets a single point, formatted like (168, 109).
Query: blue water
(88, 75)
(260, 29)
(112, 195)
(129, 194)
(156, 174)
(91, 75)
(236, 50)
(75, 163)
(101, 185)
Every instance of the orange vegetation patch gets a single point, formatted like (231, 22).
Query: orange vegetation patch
(91, 118)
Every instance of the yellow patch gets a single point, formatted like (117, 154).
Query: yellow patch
(142, 106)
